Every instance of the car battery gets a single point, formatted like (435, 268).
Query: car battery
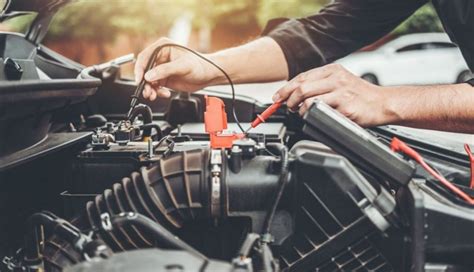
(272, 132)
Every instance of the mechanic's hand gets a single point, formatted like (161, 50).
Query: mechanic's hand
(174, 68)
(354, 97)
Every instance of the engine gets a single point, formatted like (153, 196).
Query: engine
(176, 188)
(137, 186)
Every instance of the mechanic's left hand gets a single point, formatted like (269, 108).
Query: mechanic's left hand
(357, 99)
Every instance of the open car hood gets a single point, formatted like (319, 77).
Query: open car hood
(44, 10)
(13, 8)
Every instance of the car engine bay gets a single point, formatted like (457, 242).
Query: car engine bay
(175, 188)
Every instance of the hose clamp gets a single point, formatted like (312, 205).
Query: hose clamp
(216, 171)
(105, 222)
(12, 264)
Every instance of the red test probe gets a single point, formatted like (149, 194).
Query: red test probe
(261, 118)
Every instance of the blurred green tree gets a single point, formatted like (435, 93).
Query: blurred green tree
(101, 21)
(423, 20)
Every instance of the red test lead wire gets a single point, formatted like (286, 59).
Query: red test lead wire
(399, 146)
(471, 160)
(261, 118)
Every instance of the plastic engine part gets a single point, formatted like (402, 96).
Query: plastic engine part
(171, 192)
(339, 215)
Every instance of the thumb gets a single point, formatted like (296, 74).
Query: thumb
(163, 71)
(138, 75)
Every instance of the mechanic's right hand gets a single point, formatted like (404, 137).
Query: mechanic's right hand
(175, 69)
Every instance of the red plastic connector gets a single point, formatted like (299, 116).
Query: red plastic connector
(215, 121)
(398, 146)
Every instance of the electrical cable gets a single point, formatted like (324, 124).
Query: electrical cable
(399, 146)
(152, 61)
(471, 162)
(281, 187)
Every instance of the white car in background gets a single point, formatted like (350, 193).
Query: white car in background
(422, 58)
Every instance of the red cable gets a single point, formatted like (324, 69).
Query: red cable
(399, 146)
(471, 160)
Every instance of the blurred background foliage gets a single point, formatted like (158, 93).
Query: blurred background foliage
(141, 21)
(424, 20)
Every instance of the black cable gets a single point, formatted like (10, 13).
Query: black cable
(281, 187)
(248, 244)
(160, 233)
(34, 239)
(152, 61)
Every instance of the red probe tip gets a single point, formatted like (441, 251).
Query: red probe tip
(266, 114)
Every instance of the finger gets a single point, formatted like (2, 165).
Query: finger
(283, 93)
(153, 95)
(138, 74)
(141, 63)
(306, 105)
(309, 89)
(147, 91)
(144, 56)
(331, 99)
(328, 98)
(313, 75)
(166, 70)
(163, 93)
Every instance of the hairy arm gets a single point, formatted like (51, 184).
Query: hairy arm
(442, 107)
(258, 61)
(261, 60)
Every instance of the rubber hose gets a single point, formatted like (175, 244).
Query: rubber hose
(171, 192)
(161, 234)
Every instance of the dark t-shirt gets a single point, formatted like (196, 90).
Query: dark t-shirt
(345, 26)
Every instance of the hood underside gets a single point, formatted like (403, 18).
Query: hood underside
(13, 8)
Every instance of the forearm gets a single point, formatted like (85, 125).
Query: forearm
(261, 60)
(443, 107)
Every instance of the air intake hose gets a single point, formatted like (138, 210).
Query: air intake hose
(174, 191)
(171, 192)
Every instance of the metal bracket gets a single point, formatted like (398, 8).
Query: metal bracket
(12, 264)
(216, 170)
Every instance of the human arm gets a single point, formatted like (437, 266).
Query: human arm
(439, 107)
(290, 48)
(258, 61)
(339, 29)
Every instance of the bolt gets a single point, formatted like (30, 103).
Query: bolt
(150, 148)
(72, 128)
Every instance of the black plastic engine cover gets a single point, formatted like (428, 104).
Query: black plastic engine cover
(151, 260)
(339, 216)
(440, 227)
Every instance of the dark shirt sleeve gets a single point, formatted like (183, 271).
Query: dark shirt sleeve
(340, 28)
